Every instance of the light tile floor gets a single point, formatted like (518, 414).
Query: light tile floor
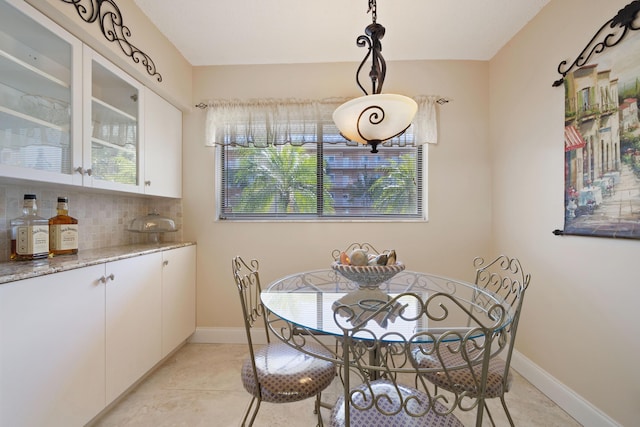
(200, 385)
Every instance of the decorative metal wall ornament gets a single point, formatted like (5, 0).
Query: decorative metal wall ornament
(108, 15)
(374, 118)
(620, 26)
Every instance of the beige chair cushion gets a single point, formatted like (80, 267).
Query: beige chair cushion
(286, 374)
(459, 380)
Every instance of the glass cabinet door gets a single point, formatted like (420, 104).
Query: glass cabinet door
(39, 63)
(115, 105)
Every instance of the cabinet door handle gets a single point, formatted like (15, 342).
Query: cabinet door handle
(147, 183)
(165, 262)
(104, 279)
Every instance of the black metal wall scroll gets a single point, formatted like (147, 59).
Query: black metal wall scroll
(108, 15)
(619, 26)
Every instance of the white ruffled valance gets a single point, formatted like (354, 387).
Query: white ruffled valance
(263, 122)
(425, 123)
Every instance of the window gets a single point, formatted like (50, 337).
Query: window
(304, 169)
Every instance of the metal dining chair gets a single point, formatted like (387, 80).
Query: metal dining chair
(390, 388)
(504, 277)
(275, 372)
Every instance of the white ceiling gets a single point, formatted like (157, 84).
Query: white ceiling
(224, 32)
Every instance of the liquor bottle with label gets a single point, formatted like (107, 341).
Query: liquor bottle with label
(63, 231)
(29, 233)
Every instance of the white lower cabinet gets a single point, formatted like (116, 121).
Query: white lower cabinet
(72, 342)
(52, 349)
(178, 296)
(133, 320)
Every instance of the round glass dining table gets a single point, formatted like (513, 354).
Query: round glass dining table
(375, 332)
(307, 302)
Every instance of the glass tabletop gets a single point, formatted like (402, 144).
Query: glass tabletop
(309, 300)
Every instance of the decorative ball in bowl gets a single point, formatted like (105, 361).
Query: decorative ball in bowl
(368, 276)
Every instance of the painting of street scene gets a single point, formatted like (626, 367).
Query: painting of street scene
(602, 144)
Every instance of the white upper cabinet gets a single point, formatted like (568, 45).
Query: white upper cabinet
(40, 97)
(69, 116)
(163, 147)
(113, 106)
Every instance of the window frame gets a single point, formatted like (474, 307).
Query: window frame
(421, 216)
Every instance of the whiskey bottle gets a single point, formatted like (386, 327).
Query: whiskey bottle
(29, 233)
(63, 231)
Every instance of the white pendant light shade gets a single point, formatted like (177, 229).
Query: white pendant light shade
(377, 117)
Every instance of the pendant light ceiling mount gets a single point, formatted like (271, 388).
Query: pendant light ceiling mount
(374, 118)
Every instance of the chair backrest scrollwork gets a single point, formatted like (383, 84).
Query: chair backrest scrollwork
(504, 276)
(248, 283)
(374, 351)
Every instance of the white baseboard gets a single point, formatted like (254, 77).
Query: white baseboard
(572, 403)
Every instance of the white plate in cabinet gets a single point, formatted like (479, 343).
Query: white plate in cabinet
(52, 349)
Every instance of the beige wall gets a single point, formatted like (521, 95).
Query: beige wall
(580, 318)
(458, 172)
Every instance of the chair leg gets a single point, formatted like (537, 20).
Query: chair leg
(317, 407)
(255, 412)
(486, 409)
(506, 410)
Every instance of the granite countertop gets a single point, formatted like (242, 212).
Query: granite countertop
(18, 270)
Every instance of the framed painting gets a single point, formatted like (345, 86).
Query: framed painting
(602, 132)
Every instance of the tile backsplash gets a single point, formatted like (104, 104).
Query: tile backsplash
(102, 217)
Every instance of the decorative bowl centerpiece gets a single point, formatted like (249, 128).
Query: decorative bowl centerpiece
(364, 265)
(368, 276)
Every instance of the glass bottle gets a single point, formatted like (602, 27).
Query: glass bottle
(29, 233)
(63, 231)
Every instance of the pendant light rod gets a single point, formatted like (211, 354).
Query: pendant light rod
(373, 34)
